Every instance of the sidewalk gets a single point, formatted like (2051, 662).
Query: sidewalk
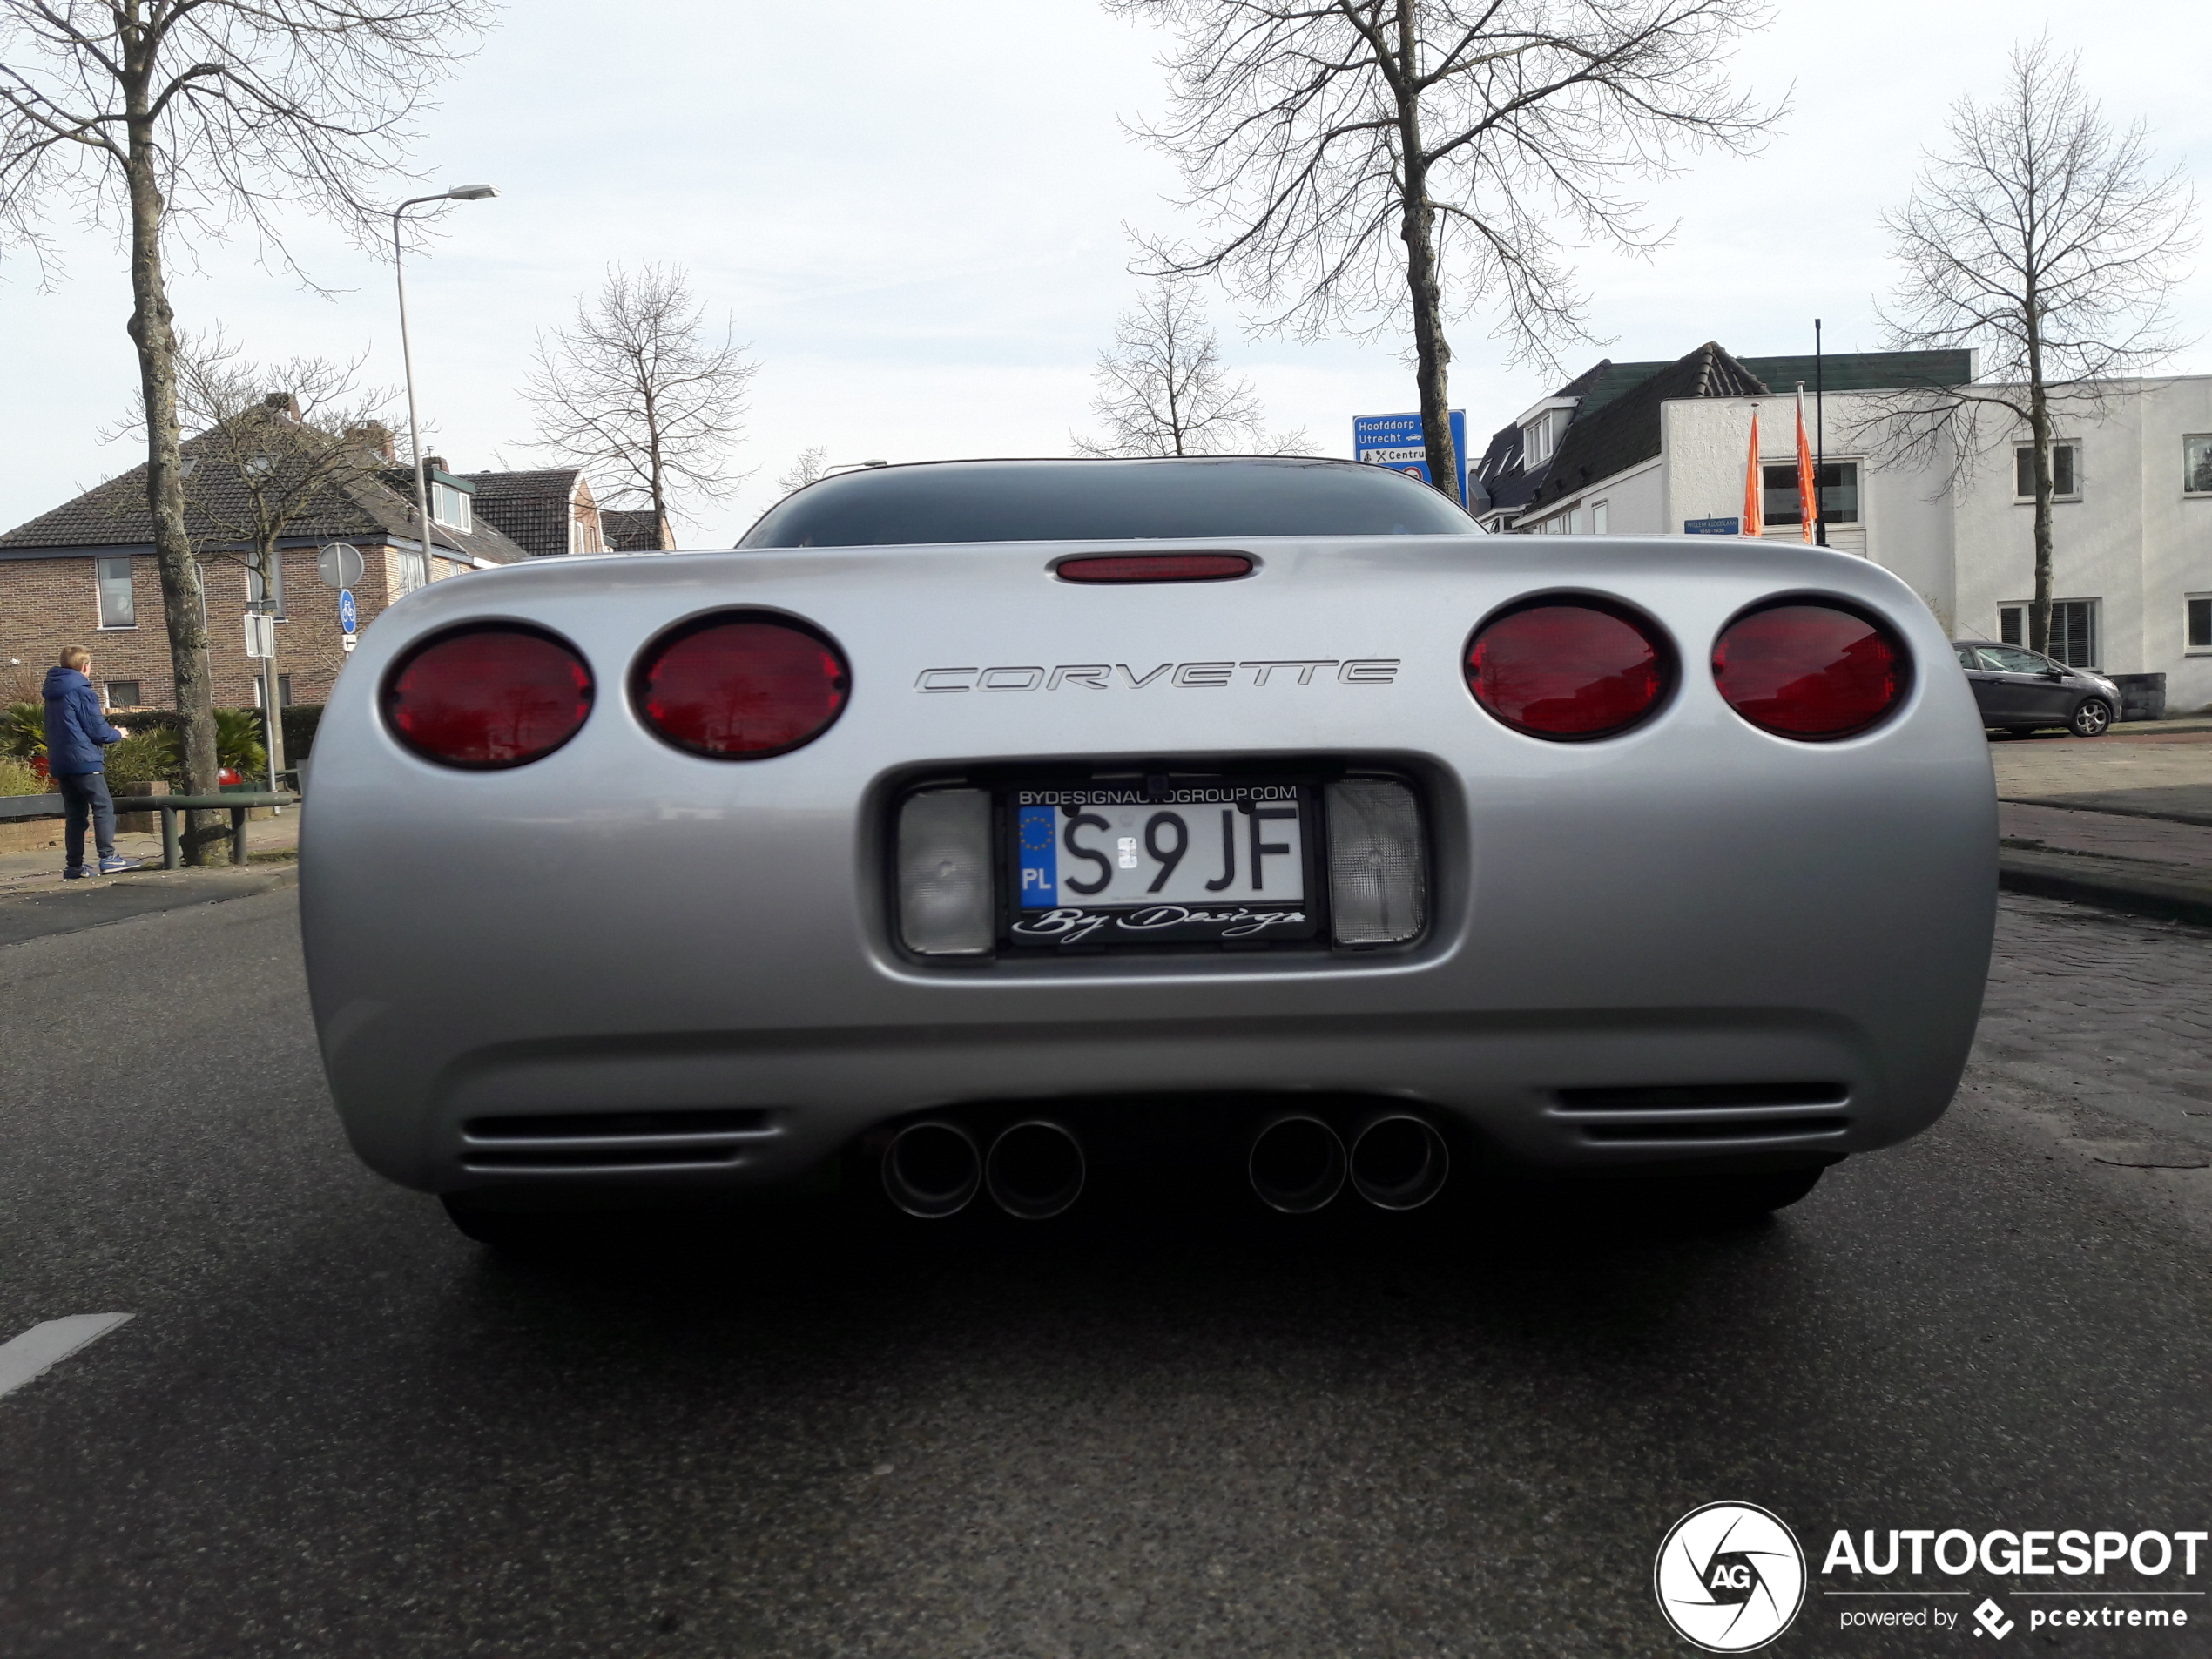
(35, 901)
(2124, 821)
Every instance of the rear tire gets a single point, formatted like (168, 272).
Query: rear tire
(2091, 719)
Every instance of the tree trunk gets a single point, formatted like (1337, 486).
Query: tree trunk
(2039, 426)
(183, 600)
(1432, 355)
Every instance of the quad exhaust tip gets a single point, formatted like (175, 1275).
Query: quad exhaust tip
(932, 1169)
(1297, 1165)
(1035, 1170)
(1399, 1161)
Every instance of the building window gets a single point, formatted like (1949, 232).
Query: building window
(118, 608)
(2073, 630)
(450, 507)
(2065, 472)
(2196, 464)
(284, 690)
(2199, 621)
(253, 586)
(1536, 441)
(1838, 484)
(1601, 517)
(124, 694)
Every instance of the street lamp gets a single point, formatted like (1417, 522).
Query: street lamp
(458, 193)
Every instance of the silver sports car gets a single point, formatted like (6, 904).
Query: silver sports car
(978, 828)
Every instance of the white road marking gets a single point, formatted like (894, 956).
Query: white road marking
(50, 1344)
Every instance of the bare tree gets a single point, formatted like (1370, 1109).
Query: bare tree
(1482, 136)
(811, 466)
(2039, 235)
(1164, 389)
(141, 114)
(268, 464)
(638, 389)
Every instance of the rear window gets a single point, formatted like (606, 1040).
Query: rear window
(1106, 500)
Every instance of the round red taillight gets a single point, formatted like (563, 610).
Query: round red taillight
(741, 686)
(1570, 668)
(1810, 671)
(487, 695)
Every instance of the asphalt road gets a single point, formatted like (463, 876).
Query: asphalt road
(336, 1427)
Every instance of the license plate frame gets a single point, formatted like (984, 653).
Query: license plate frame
(1239, 920)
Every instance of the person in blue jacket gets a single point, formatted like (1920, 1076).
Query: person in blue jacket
(76, 732)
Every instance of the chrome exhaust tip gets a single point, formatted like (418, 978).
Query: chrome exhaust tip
(932, 1169)
(1399, 1161)
(1035, 1170)
(1297, 1164)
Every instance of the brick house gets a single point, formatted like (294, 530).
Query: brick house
(641, 531)
(85, 573)
(545, 513)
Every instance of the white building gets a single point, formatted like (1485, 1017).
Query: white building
(1650, 448)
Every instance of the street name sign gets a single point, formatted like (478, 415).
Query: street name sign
(1395, 441)
(1712, 526)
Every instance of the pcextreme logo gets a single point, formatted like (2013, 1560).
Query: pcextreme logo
(1730, 1577)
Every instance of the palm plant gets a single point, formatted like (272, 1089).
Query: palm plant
(23, 731)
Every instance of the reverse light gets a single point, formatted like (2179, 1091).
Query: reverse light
(740, 685)
(1811, 671)
(1377, 867)
(1570, 669)
(1155, 567)
(946, 903)
(487, 696)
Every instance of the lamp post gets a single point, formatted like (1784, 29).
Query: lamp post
(458, 193)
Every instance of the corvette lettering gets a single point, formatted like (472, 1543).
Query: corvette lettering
(1106, 677)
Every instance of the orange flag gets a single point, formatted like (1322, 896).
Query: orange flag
(1807, 481)
(1754, 498)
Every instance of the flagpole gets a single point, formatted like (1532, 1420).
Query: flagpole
(1820, 428)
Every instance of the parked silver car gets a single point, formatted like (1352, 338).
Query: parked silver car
(973, 820)
(2024, 690)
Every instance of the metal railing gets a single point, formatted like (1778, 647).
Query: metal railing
(237, 803)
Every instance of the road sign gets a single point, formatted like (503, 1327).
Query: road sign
(1395, 441)
(349, 616)
(1712, 526)
(349, 642)
(340, 565)
(261, 635)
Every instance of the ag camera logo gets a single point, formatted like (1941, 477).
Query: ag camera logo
(1730, 1577)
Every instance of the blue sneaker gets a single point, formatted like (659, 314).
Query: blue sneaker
(74, 873)
(116, 867)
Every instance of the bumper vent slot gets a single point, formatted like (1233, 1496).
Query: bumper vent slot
(553, 1141)
(1706, 1114)
(1745, 1129)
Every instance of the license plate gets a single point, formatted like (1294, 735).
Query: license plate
(1218, 860)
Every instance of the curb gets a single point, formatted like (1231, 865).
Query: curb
(45, 912)
(2111, 884)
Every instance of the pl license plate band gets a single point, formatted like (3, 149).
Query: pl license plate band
(1194, 862)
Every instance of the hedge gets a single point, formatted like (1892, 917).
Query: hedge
(300, 723)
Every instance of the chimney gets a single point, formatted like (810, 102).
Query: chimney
(375, 437)
(437, 463)
(282, 403)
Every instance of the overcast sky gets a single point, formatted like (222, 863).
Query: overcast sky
(916, 212)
